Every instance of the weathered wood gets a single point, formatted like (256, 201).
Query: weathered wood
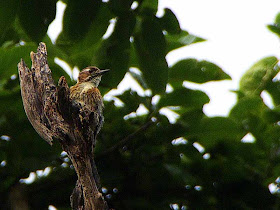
(53, 116)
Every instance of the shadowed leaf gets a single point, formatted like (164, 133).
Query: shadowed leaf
(184, 97)
(151, 50)
(10, 57)
(114, 52)
(169, 22)
(35, 17)
(8, 10)
(78, 18)
(212, 130)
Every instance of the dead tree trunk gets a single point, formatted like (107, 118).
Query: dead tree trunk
(54, 118)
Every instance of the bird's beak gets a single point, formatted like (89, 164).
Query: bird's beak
(103, 71)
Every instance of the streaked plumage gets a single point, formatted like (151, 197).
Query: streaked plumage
(86, 95)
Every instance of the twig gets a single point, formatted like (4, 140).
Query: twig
(122, 142)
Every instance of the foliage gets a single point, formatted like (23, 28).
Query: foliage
(144, 160)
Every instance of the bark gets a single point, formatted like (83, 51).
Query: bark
(52, 115)
(17, 198)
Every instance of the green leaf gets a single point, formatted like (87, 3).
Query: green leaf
(184, 97)
(114, 52)
(35, 17)
(139, 79)
(151, 50)
(120, 7)
(273, 88)
(170, 22)
(11, 102)
(81, 52)
(9, 58)
(272, 115)
(255, 80)
(195, 71)
(78, 17)
(149, 6)
(54, 50)
(8, 10)
(18, 32)
(246, 107)
(97, 29)
(190, 117)
(9, 38)
(212, 130)
(57, 72)
(176, 171)
(275, 28)
(175, 41)
(133, 62)
(131, 100)
(151, 36)
(250, 113)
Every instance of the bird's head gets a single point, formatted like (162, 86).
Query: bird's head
(91, 74)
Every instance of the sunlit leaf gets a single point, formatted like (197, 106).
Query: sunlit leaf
(275, 28)
(195, 71)
(255, 80)
(175, 41)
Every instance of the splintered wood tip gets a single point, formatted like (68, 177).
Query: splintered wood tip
(32, 55)
(42, 48)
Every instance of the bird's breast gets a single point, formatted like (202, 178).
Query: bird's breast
(86, 94)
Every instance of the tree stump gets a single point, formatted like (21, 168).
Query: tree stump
(52, 115)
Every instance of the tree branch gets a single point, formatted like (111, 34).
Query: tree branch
(52, 115)
(130, 137)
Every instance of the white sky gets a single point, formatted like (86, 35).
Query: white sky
(236, 35)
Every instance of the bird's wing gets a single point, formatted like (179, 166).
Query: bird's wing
(94, 103)
(92, 99)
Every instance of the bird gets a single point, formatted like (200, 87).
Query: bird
(85, 96)
(87, 100)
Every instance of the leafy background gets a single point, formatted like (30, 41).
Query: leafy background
(144, 160)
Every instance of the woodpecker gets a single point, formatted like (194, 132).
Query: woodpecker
(86, 96)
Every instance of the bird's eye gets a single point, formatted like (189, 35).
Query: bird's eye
(90, 71)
